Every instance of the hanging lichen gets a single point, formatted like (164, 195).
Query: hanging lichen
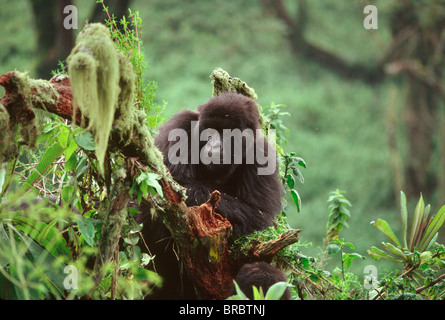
(144, 138)
(124, 117)
(93, 68)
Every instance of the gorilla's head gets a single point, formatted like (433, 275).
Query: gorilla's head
(227, 127)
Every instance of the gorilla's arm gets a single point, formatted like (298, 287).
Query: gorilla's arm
(242, 216)
(247, 211)
(183, 121)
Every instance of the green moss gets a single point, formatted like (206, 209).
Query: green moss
(146, 140)
(23, 124)
(125, 118)
(29, 134)
(6, 139)
(223, 82)
(44, 93)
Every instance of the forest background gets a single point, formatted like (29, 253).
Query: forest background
(355, 107)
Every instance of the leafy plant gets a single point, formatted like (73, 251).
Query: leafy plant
(273, 116)
(338, 245)
(338, 214)
(275, 292)
(127, 35)
(421, 257)
(423, 233)
(40, 237)
(290, 163)
(292, 173)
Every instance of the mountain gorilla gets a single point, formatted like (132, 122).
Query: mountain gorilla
(218, 148)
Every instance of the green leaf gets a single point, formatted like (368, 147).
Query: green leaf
(63, 137)
(432, 229)
(44, 233)
(85, 140)
(417, 222)
(298, 174)
(425, 257)
(47, 235)
(2, 178)
(257, 293)
(46, 265)
(300, 161)
(150, 179)
(71, 162)
(276, 291)
(349, 257)
(86, 227)
(394, 250)
(296, 199)
(333, 248)
(239, 293)
(290, 181)
(142, 274)
(404, 217)
(68, 194)
(350, 245)
(384, 227)
(377, 254)
(132, 211)
(82, 167)
(71, 149)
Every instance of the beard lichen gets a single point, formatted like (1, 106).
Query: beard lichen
(93, 68)
(103, 83)
(125, 117)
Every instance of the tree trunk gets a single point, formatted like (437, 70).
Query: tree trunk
(54, 42)
(419, 55)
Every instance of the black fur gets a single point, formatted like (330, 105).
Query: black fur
(248, 200)
(259, 274)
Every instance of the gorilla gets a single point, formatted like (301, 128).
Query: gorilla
(219, 147)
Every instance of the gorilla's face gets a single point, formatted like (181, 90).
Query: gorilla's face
(218, 154)
(227, 136)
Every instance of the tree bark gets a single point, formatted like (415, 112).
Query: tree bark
(418, 53)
